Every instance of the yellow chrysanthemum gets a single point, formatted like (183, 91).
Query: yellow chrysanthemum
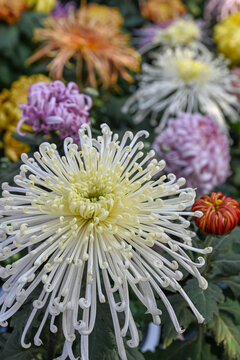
(227, 37)
(10, 114)
(10, 10)
(162, 10)
(109, 15)
(12, 147)
(93, 37)
(41, 6)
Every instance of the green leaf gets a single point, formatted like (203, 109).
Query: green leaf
(102, 344)
(232, 281)
(198, 349)
(226, 243)
(227, 333)
(183, 313)
(231, 307)
(13, 350)
(8, 36)
(206, 301)
(227, 264)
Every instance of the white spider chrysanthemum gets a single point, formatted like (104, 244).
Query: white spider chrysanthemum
(90, 220)
(181, 80)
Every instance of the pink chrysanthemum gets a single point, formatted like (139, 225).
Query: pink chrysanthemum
(220, 9)
(61, 10)
(57, 107)
(194, 147)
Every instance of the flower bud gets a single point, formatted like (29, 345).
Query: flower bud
(220, 213)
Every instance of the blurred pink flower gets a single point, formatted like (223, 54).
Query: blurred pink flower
(61, 10)
(195, 148)
(55, 106)
(220, 9)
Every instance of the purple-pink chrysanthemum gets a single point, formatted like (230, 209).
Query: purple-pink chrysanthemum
(220, 9)
(57, 107)
(195, 148)
(145, 36)
(61, 10)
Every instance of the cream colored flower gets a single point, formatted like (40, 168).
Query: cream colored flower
(183, 80)
(90, 219)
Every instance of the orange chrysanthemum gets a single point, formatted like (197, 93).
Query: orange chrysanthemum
(220, 213)
(162, 10)
(10, 10)
(93, 37)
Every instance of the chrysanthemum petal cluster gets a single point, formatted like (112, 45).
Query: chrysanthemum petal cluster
(182, 80)
(181, 32)
(90, 219)
(220, 9)
(162, 10)
(91, 36)
(10, 114)
(227, 37)
(41, 6)
(56, 107)
(221, 213)
(10, 10)
(194, 147)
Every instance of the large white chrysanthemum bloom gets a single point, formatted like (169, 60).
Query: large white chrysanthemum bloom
(90, 220)
(182, 80)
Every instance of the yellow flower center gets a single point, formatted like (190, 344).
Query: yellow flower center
(179, 33)
(191, 70)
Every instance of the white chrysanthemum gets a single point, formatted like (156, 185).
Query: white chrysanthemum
(181, 80)
(90, 220)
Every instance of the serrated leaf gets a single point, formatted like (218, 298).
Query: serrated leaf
(206, 301)
(198, 349)
(227, 333)
(231, 307)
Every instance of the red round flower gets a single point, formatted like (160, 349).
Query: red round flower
(220, 213)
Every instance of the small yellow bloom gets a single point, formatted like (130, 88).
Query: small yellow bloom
(162, 10)
(10, 114)
(41, 6)
(227, 37)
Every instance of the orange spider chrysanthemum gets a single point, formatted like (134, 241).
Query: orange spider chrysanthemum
(89, 36)
(162, 10)
(220, 213)
(10, 10)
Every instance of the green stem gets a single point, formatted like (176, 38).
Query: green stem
(208, 243)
